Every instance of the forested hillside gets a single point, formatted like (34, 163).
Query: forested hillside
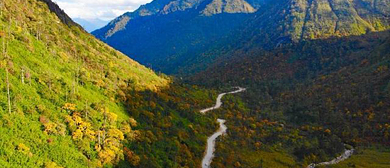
(316, 73)
(69, 100)
(281, 23)
(167, 34)
(324, 92)
(182, 37)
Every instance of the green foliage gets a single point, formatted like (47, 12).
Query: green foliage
(173, 132)
(19, 133)
(75, 102)
(75, 81)
(324, 93)
(56, 70)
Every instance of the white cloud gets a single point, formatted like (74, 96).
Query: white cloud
(98, 9)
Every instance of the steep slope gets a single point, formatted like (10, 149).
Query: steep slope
(316, 73)
(182, 37)
(297, 20)
(61, 90)
(60, 13)
(170, 32)
(164, 7)
(288, 22)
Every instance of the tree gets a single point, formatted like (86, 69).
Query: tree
(22, 75)
(5, 55)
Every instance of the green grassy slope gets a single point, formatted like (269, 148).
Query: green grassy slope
(57, 74)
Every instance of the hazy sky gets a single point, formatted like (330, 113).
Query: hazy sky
(98, 9)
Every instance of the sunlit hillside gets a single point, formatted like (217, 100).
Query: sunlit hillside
(61, 90)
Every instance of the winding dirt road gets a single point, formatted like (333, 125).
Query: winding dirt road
(222, 130)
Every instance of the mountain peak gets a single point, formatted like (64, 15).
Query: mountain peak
(164, 7)
(185, 32)
(228, 6)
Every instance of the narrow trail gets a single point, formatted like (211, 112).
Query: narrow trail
(222, 129)
(219, 102)
(344, 156)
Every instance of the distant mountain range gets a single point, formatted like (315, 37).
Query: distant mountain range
(184, 36)
(90, 24)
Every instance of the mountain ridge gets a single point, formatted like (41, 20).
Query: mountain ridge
(53, 7)
(274, 23)
(164, 7)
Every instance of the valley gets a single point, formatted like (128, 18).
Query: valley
(313, 76)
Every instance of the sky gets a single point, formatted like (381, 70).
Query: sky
(98, 9)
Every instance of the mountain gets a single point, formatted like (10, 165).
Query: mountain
(90, 24)
(316, 72)
(64, 93)
(164, 7)
(69, 100)
(181, 37)
(170, 32)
